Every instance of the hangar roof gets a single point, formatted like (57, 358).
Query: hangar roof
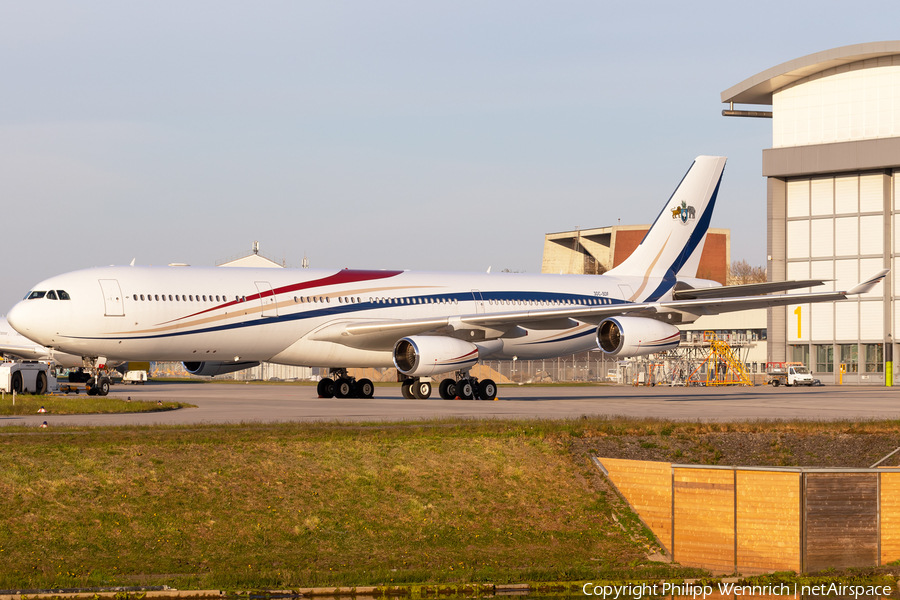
(758, 89)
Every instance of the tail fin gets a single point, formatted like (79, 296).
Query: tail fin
(678, 232)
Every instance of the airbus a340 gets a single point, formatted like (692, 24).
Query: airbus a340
(218, 320)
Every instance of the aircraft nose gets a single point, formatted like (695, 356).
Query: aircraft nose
(21, 318)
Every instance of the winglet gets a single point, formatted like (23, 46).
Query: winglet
(868, 284)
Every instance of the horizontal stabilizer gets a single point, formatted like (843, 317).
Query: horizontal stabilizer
(748, 289)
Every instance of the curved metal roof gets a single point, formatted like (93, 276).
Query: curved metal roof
(758, 89)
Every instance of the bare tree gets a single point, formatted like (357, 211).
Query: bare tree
(740, 272)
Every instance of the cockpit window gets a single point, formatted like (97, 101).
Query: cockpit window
(36, 295)
(63, 294)
(51, 295)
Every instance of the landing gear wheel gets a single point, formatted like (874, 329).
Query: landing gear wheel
(325, 388)
(447, 389)
(487, 389)
(465, 389)
(16, 383)
(41, 384)
(365, 388)
(421, 390)
(405, 389)
(343, 388)
(103, 388)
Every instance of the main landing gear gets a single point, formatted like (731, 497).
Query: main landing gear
(98, 383)
(463, 386)
(341, 385)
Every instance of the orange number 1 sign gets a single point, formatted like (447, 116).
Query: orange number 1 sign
(799, 333)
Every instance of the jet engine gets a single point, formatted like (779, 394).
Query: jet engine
(636, 336)
(217, 367)
(424, 355)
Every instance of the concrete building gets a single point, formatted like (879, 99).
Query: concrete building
(595, 251)
(832, 174)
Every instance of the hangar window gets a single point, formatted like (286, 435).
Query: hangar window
(51, 295)
(36, 295)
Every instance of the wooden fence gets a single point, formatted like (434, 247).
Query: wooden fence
(761, 519)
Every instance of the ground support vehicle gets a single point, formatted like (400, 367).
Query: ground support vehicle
(788, 374)
(135, 377)
(26, 377)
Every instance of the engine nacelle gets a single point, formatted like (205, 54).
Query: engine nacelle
(211, 368)
(424, 355)
(636, 336)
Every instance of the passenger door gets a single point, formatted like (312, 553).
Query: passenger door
(266, 299)
(114, 306)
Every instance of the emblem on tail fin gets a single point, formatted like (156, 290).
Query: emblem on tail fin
(684, 213)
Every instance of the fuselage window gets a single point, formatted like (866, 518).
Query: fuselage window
(341, 299)
(328, 300)
(36, 295)
(170, 297)
(217, 297)
(51, 295)
(164, 297)
(157, 297)
(315, 299)
(142, 296)
(63, 294)
(191, 297)
(204, 297)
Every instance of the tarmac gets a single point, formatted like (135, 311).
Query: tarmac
(236, 403)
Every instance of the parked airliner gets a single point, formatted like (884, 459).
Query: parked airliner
(15, 345)
(218, 320)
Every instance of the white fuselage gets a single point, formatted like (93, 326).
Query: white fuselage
(228, 314)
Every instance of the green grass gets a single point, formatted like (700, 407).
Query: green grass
(273, 506)
(310, 504)
(26, 404)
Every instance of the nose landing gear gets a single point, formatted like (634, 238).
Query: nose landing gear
(99, 382)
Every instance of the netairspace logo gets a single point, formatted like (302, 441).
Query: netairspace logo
(647, 590)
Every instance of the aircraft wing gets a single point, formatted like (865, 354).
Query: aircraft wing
(382, 335)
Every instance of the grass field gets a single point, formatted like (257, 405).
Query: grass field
(296, 505)
(26, 404)
(303, 504)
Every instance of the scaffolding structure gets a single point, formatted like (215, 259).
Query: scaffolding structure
(706, 359)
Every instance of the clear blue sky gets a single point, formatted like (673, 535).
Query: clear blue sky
(370, 134)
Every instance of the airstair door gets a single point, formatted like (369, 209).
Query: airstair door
(627, 293)
(267, 299)
(112, 298)
(479, 301)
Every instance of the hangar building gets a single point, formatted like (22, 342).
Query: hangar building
(596, 251)
(832, 174)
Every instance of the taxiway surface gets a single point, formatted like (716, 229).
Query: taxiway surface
(235, 403)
